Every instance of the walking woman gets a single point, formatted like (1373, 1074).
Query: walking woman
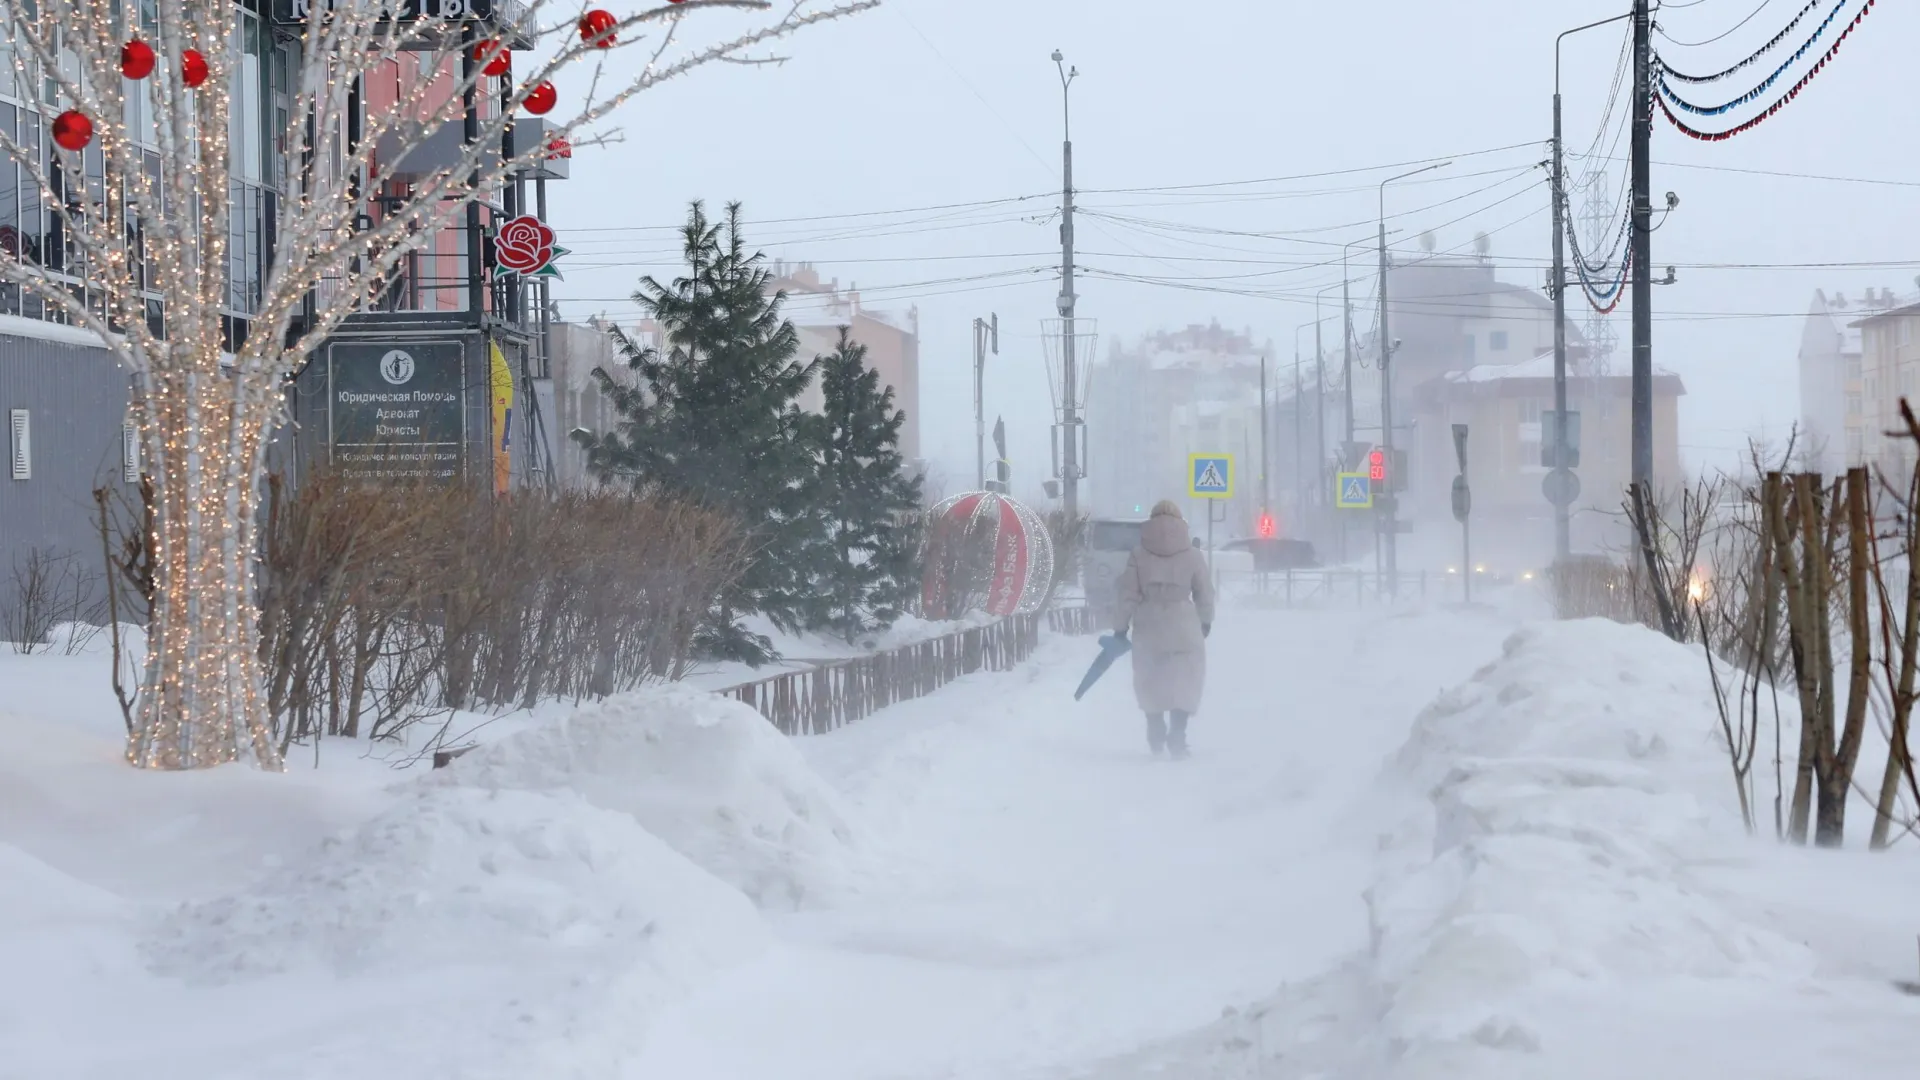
(1166, 599)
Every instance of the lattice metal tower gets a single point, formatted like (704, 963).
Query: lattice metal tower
(1599, 224)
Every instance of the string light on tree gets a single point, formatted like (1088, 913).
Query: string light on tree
(209, 356)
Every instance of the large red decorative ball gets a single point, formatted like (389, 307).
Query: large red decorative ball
(136, 59)
(495, 57)
(72, 130)
(541, 99)
(193, 68)
(596, 28)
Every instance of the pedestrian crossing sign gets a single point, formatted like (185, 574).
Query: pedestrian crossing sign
(1210, 476)
(1353, 491)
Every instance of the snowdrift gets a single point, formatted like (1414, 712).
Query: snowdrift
(704, 773)
(477, 933)
(1558, 906)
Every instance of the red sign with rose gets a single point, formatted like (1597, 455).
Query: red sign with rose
(525, 247)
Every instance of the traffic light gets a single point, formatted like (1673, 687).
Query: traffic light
(1377, 466)
(1266, 526)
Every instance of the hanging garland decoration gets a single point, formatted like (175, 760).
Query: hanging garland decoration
(1615, 245)
(1765, 84)
(1754, 57)
(1793, 92)
(1605, 300)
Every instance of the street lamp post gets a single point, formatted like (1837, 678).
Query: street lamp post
(986, 334)
(1389, 518)
(1562, 504)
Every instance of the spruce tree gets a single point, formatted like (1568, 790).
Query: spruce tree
(714, 419)
(867, 505)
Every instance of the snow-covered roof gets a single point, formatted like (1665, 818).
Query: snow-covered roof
(1540, 367)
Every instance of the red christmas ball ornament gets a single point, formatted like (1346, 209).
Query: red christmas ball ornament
(136, 59)
(193, 68)
(596, 28)
(72, 130)
(495, 57)
(541, 99)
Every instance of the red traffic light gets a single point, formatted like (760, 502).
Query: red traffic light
(1377, 465)
(1266, 526)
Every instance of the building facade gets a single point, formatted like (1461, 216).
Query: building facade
(1501, 404)
(1889, 340)
(1166, 395)
(818, 309)
(1838, 425)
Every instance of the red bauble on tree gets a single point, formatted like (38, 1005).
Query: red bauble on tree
(596, 28)
(72, 130)
(494, 57)
(541, 99)
(193, 68)
(136, 59)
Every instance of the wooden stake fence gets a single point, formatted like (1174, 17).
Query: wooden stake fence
(820, 699)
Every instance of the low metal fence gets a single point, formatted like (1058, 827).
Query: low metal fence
(1335, 587)
(819, 699)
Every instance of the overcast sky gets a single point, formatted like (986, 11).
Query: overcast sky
(946, 116)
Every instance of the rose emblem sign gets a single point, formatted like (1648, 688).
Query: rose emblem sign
(525, 247)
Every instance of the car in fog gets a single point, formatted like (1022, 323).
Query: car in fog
(1276, 554)
(1109, 542)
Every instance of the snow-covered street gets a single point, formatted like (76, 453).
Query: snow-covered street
(1055, 895)
(1418, 844)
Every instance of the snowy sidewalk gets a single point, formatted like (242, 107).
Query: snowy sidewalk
(1054, 896)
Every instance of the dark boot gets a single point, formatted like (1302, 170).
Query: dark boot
(1177, 737)
(1156, 733)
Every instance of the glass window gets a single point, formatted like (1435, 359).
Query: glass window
(9, 189)
(1497, 341)
(1114, 535)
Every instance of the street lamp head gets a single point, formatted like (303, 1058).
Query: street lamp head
(1057, 58)
(1673, 201)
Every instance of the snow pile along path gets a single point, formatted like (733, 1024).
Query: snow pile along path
(1559, 908)
(508, 933)
(706, 774)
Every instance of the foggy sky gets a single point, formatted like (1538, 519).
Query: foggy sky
(925, 103)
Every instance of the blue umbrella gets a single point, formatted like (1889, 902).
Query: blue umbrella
(1111, 648)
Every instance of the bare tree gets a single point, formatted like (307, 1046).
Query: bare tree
(1900, 646)
(139, 185)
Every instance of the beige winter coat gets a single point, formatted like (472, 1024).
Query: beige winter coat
(1164, 596)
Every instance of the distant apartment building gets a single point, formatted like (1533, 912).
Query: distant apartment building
(819, 309)
(1163, 396)
(1889, 337)
(1837, 412)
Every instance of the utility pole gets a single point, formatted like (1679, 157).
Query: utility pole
(1320, 478)
(1266, 449)
(1562, 526)
(1641, 252)
(1389, 513)
(985, 334)
(1069, 410)
(1299, 451)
